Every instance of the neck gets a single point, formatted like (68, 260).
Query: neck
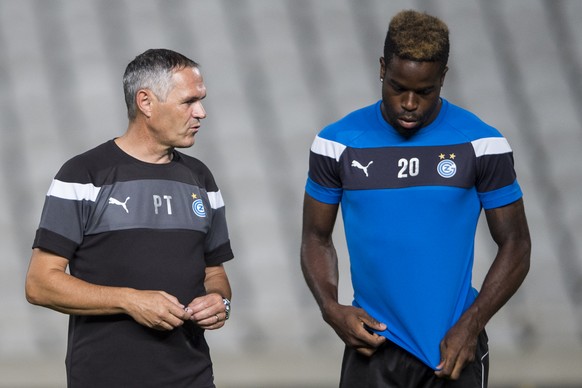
(144, 149)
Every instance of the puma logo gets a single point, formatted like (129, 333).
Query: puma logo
(113, 201)
(357, 164)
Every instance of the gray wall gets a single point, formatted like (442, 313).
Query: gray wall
(276, 72)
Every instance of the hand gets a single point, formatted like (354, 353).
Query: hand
(353, 326)
(157, 310)
(458, 349)
(208, 311)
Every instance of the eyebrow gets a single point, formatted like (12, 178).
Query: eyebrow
(191, 99)
(402, 87)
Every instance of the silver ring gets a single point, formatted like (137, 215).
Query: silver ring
(217, 319)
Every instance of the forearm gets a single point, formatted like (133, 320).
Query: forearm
(509, 230)
(216, 282)
(320, 268)
(48, 285)
(319, 261)
(64, 293)
(505, 276)
(319, 264)
(508, 227)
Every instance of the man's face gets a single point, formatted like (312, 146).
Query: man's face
(175, 121)
(410, 93)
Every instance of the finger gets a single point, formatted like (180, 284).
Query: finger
(181, 313)
(445, 368)
(163, 326)
(442, 369)
(373, 323)
(173, 321)
(172, 299)
(188, 313)
(372, 338)
(366, 342)
(210, 320)
(369, 344)
(461, 361)
(202, 306)
(368, 352)
(203, 311)
(211, 323)
(457, 371)
(378, 340)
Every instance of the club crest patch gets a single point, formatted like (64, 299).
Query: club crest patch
(447, 167)
(198, 208)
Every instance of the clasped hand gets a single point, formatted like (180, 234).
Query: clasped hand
(162, 311)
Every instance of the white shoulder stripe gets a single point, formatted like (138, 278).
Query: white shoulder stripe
(215, 198)
(327, 148)
(491, 146)
(73, 191)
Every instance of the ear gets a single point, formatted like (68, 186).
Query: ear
(144, 101)
(382, 68)
(443, 75)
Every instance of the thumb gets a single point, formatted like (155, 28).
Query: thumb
(374, 324)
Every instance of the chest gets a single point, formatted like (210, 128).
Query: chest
(401, 167)
(149, 204)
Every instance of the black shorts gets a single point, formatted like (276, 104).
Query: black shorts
(393, 367)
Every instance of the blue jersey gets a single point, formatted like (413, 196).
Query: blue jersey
(410, 209)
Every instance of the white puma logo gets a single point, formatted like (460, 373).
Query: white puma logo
(113, 201)
(357, 164)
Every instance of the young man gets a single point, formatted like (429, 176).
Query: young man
(142, 229)
(412, 173)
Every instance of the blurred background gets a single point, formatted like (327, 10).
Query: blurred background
(277, 71)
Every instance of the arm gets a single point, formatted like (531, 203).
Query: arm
(48, 285)
(509, 230)
(319, 263)
(208, 311)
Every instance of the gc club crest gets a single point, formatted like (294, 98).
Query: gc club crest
(447, 167)
(198, 206)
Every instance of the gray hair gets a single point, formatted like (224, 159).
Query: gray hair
(152, 70)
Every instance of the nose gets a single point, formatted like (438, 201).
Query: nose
(198, 110)
(409, 101)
